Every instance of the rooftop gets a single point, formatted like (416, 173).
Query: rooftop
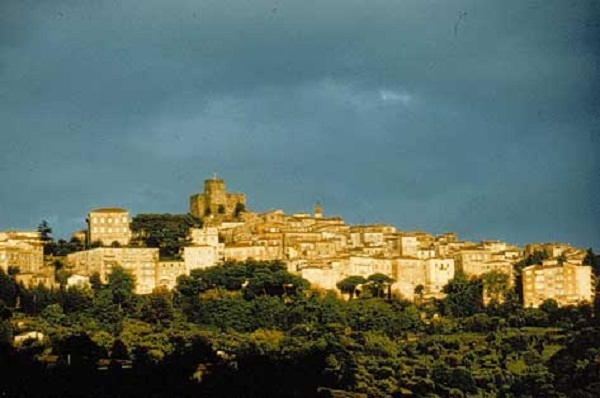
(109, 210)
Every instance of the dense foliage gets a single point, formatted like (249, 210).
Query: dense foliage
(168, 232)
(253, 330)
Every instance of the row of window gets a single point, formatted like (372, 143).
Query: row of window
(109, 220)
(109, 230)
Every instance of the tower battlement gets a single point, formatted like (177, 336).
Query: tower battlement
(215, 201)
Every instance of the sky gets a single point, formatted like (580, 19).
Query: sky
(479, 117)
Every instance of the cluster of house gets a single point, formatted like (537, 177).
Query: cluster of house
(323, 250)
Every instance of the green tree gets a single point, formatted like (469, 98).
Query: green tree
(459, 378)
(96, 282)
(121, 284)
(379, 284)
(53, 314)
(158, 308)
(96, 244)
(348, 285)
(45, 231)
(5, 312)
(34, 299)
(464, 296)
(550, 307)
(77, 299)
(6, 334)
(592, 259)
(392, 318)
(62, 247)
(576, 366)
(419, 292)
(81, 350)
(105, 311)
(8, 289)
(255, 278)
(119, 350)
(273, 280)
(496, 285)
(167, 232)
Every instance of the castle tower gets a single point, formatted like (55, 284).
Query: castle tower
(215, 201)
(318, 210)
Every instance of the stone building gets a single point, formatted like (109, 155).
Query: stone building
(32, 279)
(81, 281)
(109, 225)
(552, 249)
(204, 236)
(476, 260)
(167, 273)
(206, 250)
(323, 274)
(408, 246)
(216, 202)
(201, 257)
(409, 273)
(438, 272)
(568, 284)
(242, 252)
(141, 262)
(23, 249)
(431, 275)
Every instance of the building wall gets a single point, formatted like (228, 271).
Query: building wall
(438, 273)
(24, 250)
(324, 278)
(109, 225)
(433, 274)
(409, 273)
(31, 279)
(366, 266)
(141, 262)
(200, 257)
(245, 252)
(568, 284)
(408, 246)
(479, 268)
(214, 197)
(78, 280)
(204, 236)
(167, 273)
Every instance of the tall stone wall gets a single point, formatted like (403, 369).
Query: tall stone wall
(215, 200)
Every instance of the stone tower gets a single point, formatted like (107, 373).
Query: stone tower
(318, 210)
(215, 201)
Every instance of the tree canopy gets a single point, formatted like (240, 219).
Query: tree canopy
(349, 284)
(168, 232)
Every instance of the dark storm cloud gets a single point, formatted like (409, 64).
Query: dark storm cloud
(479, 117)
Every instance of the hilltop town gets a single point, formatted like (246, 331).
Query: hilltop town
(321, 249)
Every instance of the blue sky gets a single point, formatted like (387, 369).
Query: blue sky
(478, 117)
